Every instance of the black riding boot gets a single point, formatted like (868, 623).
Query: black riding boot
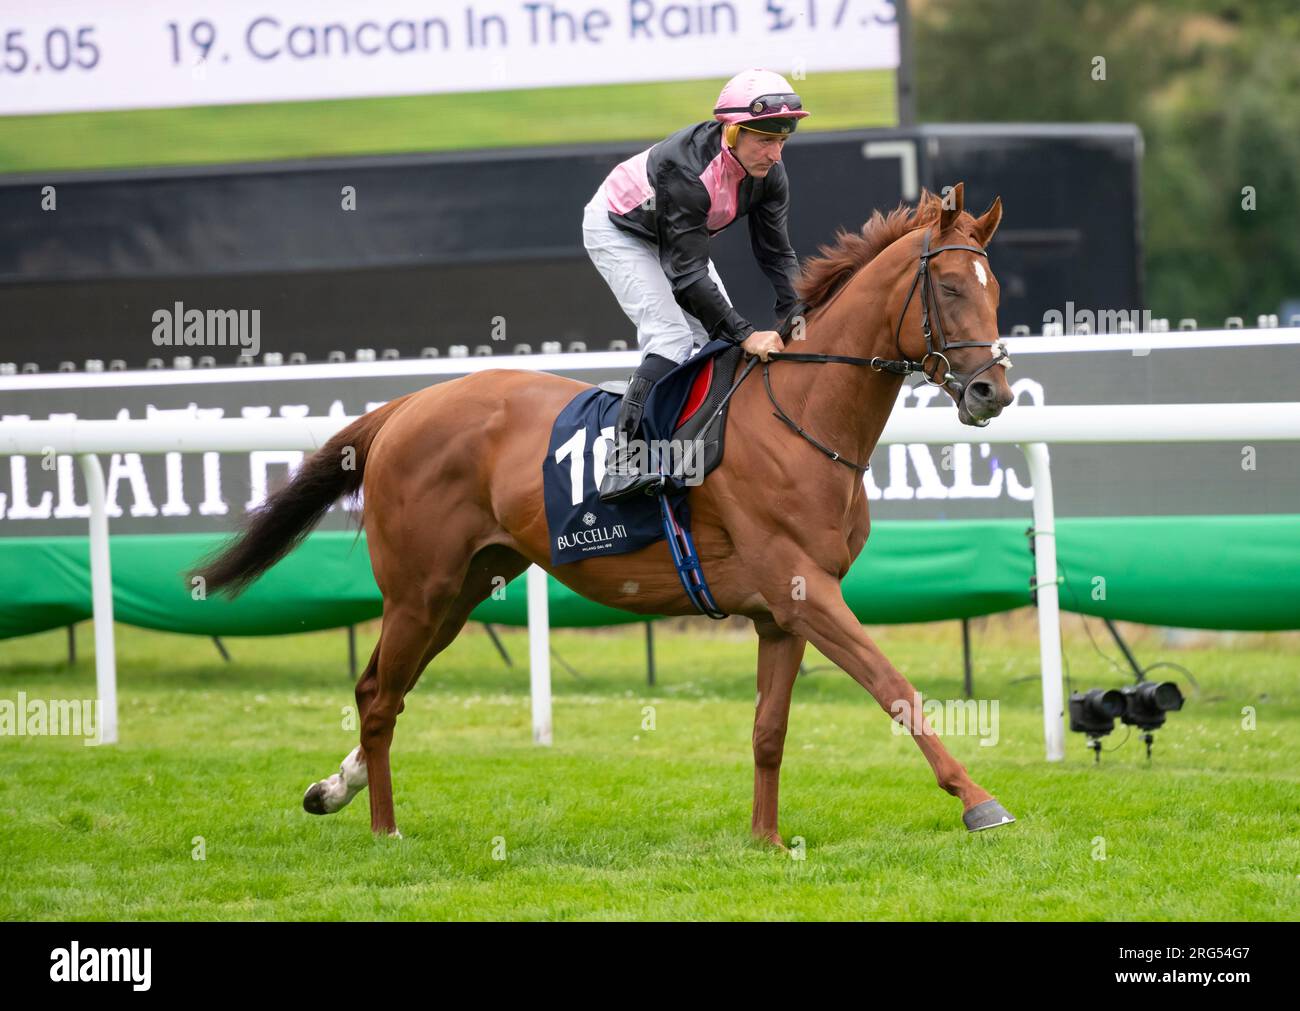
(621, 478)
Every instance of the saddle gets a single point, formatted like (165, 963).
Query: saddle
(688, 406)
(699, 385)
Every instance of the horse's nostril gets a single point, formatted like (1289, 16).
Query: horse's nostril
(982, 390)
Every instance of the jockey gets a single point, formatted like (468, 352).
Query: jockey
(647, 230)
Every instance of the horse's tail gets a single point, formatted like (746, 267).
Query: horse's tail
(277, 526)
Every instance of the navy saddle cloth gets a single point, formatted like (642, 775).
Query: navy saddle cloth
(582, 441)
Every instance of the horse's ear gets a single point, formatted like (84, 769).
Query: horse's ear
(952, 204)
(987, 223)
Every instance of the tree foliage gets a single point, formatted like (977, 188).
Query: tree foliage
(1215, 88)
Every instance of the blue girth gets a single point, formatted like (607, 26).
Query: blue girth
(687, 562)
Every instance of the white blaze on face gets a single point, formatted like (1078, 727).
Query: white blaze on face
(979, 272)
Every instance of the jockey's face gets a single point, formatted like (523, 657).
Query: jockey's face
(758, 152)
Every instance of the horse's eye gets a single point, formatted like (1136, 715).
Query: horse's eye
(950, 289)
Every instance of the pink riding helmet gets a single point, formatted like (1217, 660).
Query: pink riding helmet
(755, 95)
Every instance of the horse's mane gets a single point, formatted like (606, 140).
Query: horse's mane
(822, 275)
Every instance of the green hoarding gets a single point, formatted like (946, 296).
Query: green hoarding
(1215, 572)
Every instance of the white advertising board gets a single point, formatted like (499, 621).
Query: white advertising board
(81, 55)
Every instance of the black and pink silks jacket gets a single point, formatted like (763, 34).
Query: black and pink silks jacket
(684, 190)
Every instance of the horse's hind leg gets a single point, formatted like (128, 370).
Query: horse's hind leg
(403, 658)
(403, 644)
(404, 649)
(327, 796)
(490, 568)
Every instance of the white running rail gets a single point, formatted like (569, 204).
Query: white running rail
(1030, 427)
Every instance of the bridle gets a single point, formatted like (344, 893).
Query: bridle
(959, 383)
(956, 382)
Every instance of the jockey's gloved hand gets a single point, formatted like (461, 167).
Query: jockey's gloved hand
(763, 343)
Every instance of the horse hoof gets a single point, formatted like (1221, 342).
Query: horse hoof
(313, 802)
(989, 814)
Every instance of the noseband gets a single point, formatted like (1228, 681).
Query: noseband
(956, 382)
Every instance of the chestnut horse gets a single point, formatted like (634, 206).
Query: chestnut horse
(452, 483)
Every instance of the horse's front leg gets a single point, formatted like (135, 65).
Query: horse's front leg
(824, 619)
(779, 655)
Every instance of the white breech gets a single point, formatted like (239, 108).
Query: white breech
(630, 266)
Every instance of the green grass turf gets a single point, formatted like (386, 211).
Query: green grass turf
(237, 133)
(618, 822)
